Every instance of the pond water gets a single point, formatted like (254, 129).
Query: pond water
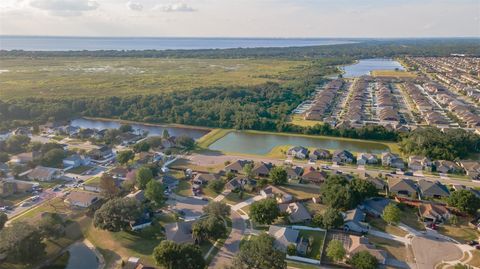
(153, 130)
(81, 257)
(364, 67)
(252, 143)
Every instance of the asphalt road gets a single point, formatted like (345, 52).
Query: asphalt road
(232, 244)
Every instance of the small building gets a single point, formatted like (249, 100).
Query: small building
(119, 172)
(82, 199)
(168, 181)
(322, 154)
(297, 213)
(444, 166)
(180, 232)
(262, 169)
(392, 160)
(298, 152)
(202, 179)
(75, 160)
(237, 166)
(366, 158)
(375, 206)
(419, 163)
(294, 172)
(433, 212)
(313, 176)
(144, 221)
(284, 236)
(402, 187)
(342, 156)
(24, 158)
(354, 244)
(7, 188)
(238, 183)
(278, 194)
(429, 189)
(104, 152)
(42, 173)
(379, 184)
(354, 220)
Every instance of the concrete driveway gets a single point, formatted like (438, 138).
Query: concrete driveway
(429, 251)
(232, 244)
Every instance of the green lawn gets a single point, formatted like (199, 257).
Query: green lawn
(461, 232)
(80, 169)
(381, 225)
(410, 218)
(234, 197)
(317, 246)
(301, 192)
(83, 76)
(184, 188)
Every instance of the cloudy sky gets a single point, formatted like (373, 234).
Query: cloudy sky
(242, 18)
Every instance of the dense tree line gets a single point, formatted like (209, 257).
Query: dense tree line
(363, 48)
(450, 144)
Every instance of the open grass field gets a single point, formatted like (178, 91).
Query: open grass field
(82, 77)
(393, 73)
(460, 232)
(298, 120)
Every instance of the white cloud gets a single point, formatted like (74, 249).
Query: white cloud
(65, 7)
(134, 6)
(178, 7)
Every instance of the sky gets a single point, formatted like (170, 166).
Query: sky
(242, 18)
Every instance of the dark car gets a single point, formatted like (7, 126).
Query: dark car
(472, 243)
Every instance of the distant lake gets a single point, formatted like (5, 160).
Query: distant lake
(44, 43)
(153, 130)
(253, 143)
(364, 67)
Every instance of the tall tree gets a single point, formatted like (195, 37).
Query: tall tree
(53, 158)
(3, 220)
(125, 156)
(391, 214)
(116, 214)
(259, 253)
(109, 186)
(154, 192)
(217, 209)
(22, 243)
(332, 218)
(124, 128)
(144, 175)
(278, 175)
(264, 211)
(165, 134)
(363, 260)
(171, 255)
(464, 200)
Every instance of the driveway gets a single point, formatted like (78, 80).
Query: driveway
(232, 244)
(247, 202)
(429, 251)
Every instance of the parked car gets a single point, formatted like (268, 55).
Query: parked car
(472, 243)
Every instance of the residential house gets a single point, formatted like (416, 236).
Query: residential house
(262, 169)
(180, 232)
(472, 169)
(4, 168)
(4, 135)
(24, 158)
(284, 236)
(366, 158)
(41, 173)
(22, 131)
(342, 156)
(313, 176)
(457, 187)
(354, 244)
(375, 206)
(298, 152)
(392, 160)
(402, 187)
(102, 153)
(142, 222)
(75, 160)
(128, 138)
(429, 189)
(419, 163)
(297, 212)
(354, 220)
(119, 172)
(433, 212)
(278, 194)
(322, 154)
(134, 263)
(237, 166)
(294, 172)
(444, 166)
(82, 199)
(7, 188)
(380, 184)
(239, 183)
(202, 179)
(138, 195)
